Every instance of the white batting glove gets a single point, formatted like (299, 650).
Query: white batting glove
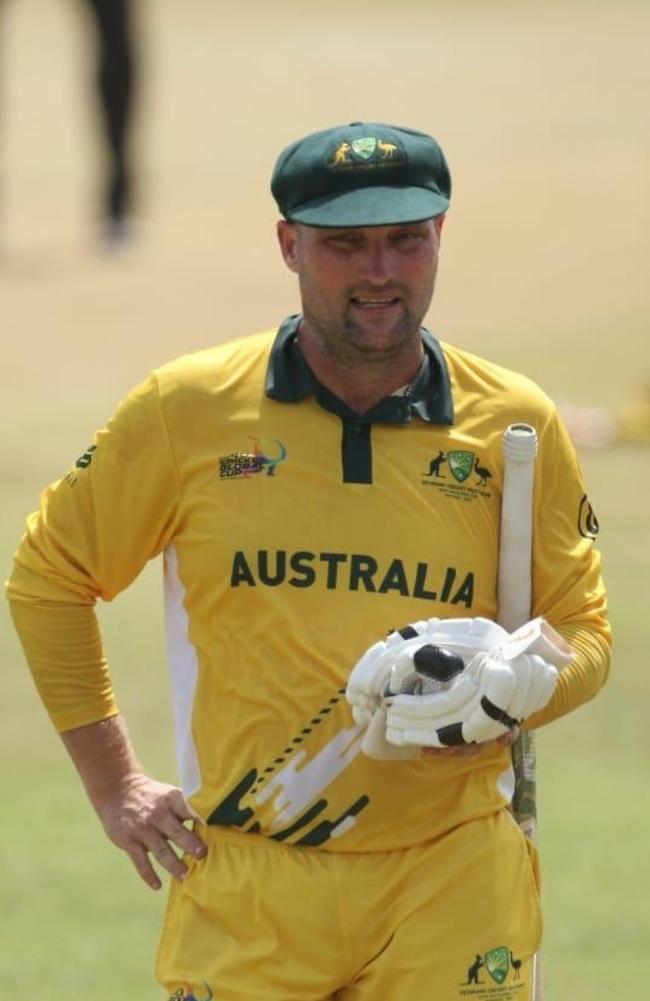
(389, 667)
(484, 700)
(368, 682)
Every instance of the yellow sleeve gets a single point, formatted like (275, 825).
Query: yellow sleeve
(95, 530)
(568, 588)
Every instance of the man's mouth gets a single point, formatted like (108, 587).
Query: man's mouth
(367, 302)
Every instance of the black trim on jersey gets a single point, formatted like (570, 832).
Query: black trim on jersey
(356, 451)
(289, 380)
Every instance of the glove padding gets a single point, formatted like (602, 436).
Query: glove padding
(369, 681)
(493, 681)
(486, 699)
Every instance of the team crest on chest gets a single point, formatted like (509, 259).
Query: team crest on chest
(459, 474)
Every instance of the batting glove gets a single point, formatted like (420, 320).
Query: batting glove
(476, 703)
(368, 682)
(387, 665)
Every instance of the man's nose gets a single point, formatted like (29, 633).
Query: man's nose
(378, 265)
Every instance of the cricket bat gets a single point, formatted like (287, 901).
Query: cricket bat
(514, 593)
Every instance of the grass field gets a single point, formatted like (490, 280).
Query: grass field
(543, 111)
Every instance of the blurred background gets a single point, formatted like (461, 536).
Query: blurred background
(543, 111)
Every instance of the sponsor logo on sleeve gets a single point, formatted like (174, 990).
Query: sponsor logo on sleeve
(82, 463)
(587, 520)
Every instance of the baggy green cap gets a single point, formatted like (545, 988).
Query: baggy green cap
(362, 174)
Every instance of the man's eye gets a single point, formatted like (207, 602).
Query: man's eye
(344, 240)
(407, 238)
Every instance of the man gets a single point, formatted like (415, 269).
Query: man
(284, 477)
(114, 84)
(116, 81)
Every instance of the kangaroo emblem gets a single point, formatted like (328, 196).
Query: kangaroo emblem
(472, 973)
(435, 464)
(388, 149)
(341, 154)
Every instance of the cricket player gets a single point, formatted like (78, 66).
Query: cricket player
(326, 497)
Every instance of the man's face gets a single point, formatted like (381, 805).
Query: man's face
(364, 291)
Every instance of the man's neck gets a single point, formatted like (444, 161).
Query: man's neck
(361, 383)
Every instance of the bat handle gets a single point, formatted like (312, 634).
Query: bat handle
(520, 443)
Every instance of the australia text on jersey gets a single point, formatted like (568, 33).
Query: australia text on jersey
(351, 571)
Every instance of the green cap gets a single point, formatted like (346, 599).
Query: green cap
(362, 174)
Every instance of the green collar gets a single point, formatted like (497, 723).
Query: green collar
(289, 380)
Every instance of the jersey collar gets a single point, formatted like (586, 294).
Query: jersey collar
(289, 380)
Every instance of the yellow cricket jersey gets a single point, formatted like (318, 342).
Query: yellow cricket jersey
(295, 534)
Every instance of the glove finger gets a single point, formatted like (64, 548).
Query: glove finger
(408, 632)
(436, 705)
(544, 679)
(520, 700)
(413, 736)
(467, 636)
(362, 674)
(479, 727)
(361, 716)
(400, 718)
(497, 684)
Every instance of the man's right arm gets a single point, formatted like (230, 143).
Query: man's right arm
(141, 816)
(95, 530)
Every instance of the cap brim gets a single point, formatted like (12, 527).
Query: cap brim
(372, 206)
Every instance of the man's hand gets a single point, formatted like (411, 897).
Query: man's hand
(146, 818)
(143, 817)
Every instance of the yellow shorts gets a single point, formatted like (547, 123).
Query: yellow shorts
(456, 918)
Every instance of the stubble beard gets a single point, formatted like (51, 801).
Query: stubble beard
(347, 342)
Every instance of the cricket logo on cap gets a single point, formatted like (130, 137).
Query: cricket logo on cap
(367, 151)
(364, 148)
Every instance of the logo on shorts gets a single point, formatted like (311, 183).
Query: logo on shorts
(470, 477)
(504, 970)
(187, 994)
(266, 456)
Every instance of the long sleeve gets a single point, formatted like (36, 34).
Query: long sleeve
(93, 533)
(567, 584)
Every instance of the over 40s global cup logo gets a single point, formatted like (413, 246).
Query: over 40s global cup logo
(265, 456)
(187, 994)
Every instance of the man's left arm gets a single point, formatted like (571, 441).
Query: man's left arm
(568, 588)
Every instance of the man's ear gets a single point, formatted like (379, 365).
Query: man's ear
(288, 239)
(438, 222)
